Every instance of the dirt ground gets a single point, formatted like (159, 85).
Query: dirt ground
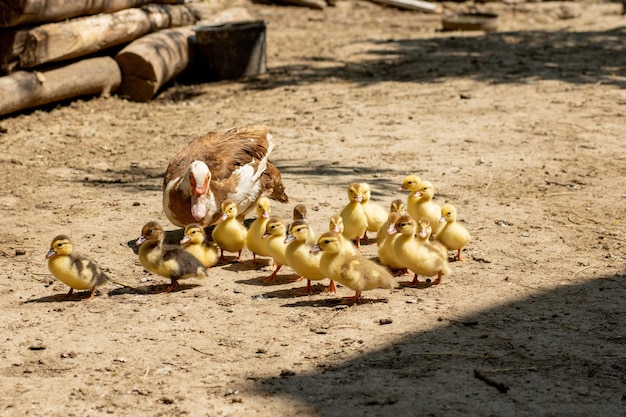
(522, 129)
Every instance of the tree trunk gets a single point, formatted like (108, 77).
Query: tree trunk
(82, 36)
(22, 89)
(23, 12)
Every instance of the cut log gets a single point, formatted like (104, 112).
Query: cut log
(22, 12)
(151, 61)
(420, 5)
(155, 59)
(82, 36)
(312, 4)
(23, 89)
(12, 43)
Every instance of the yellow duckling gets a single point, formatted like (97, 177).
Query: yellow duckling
(275, 234)
(453, 235)
(194, 242)
(418, 255)
(397, 206)
(254, 238)
(386, 253)
(376, 215)
(76, 271)
(300, 213)
(353, 215)
(299, 256)
(421, 205)
(355, 272)
(166, 260)
(230, 233)
(336, 225)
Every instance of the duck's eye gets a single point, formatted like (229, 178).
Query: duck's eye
(59, 245)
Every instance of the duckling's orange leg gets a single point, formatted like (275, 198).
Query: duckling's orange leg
(415, 281)
(438, 280)
(222, 258)
(365, 238)
(92, 293)
(358, 244)
(458, 255)
(272, 277)
(331, 287)
(238, 256)
(69, 294)
(309, 288)
(352, 300)
(298, 278)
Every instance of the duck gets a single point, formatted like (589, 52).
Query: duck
(254, 238)
(421, 205)
(386, 254)
(335, 224)
(169, 261)
(353, 271)
(275, 233)
(230, 233)
(353, 215)
(419, 255)
(232, 165)
(410, 183)
(194, 242)
(300, 213)
(299, 257)
(74, 270)
(452, 235)
(376, 215)
(396, 206)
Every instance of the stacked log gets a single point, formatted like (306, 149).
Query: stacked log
(51, 50)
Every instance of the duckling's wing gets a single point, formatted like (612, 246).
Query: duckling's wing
(88, 270)
(183, 264)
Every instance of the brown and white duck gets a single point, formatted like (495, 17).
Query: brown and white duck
(218, 166)
(74, 270)
(169, 261)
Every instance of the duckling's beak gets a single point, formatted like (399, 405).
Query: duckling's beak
(222, 218)
(265, 235)
(50, 253)
(443, 220)
(140, 240)
(417, 194)
(315, 249)
(184, 240)
(359, 198)
(266, 215)
(336, 229)
(289, 238)
(391, 230)
(423, 233)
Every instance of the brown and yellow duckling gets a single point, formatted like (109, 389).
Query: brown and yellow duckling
(299, 256)
(396, 206)
(230, 233)
(74, 270)
(300, 213)
(168, 261)
(194, 241)
(355, 272)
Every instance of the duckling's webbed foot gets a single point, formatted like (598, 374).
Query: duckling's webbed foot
(332, 287)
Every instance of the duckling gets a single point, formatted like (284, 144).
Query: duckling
(275, 233)
(299, 257)
(336, 225)
(353, 215)
(453, 235)
(254, 241)
(230, 233)
(421, 205)
(300, 213)
(232, 165)
(355, 272)
(169, 261)
(397, 206)
(376, 215)
(72, 269)
(194, 242)
(418, 256)
(386, 254)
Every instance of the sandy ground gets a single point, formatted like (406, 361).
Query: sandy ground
(522, 129)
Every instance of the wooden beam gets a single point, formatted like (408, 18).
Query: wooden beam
(25, 89)
(54, 42)
(424, 6)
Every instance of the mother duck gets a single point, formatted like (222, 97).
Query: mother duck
(219, 166)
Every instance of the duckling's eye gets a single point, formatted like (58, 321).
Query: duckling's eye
(59, 245)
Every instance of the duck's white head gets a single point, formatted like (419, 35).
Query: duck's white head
(199, 178)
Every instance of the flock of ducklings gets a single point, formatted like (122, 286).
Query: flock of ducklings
(415, 236)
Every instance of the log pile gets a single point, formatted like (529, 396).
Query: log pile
(51, 50)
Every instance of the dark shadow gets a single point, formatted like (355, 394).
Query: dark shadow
(499, 57)
(557, 353)
(335, 301)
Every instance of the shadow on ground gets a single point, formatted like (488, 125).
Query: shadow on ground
(558, 353)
